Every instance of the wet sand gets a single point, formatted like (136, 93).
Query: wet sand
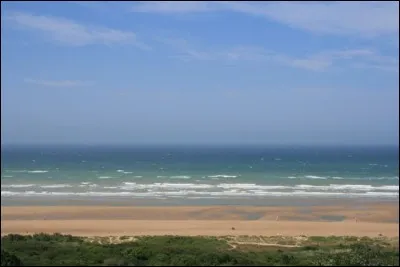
(367, 220)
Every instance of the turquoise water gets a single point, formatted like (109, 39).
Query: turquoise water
(199, 172)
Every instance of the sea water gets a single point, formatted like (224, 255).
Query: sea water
(198, 172)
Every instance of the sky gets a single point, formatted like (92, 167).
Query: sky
(200, 72)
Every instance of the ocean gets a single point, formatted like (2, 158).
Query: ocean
(186, 173)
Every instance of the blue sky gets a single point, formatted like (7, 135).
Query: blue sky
(200, 72)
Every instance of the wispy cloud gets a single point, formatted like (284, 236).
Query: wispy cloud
(58, 83)
(247, 53)
(111, 8)
(168, 7)
(321, 61)
(184, 50)
(86, 3)
(349, 57)
(362, 19)
(72, 33)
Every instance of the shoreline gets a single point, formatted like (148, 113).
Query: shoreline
(181, 202)
(368, 220)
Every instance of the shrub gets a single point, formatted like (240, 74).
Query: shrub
(8, 259)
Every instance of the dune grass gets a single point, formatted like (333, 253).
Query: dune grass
(64, 250)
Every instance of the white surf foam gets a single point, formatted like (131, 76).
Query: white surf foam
(349, 187)
(222, 176)
(105, 177)
(341, 178)
(17, 185)
(269, 188)
(29, 171)
(180, 177)
(315, 177)
(124, 172)
(9, 193)
(56, 186)
(252, 186)
(18, 171)
(37, 171)
(133, 186)
(185, 193)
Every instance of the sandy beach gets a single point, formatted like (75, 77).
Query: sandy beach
(368, 220)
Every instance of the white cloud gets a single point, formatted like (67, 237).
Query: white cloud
(59, 83)
(338, 18)
(184, 50)
(84, 3)
(363, 19)
(68, 32)
(109, 8)
(359, 58)
(310, 64)
(247, 53)
(171, 6)
(350, 57)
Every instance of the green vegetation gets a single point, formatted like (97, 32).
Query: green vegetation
(66, 250)
(8, 259)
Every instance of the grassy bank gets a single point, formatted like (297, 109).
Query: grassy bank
(66, 250)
